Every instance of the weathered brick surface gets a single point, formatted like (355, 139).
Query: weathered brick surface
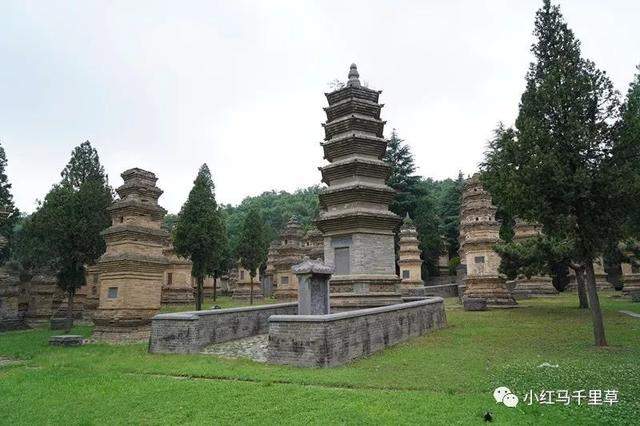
(189, 332)
(445, 290)
(330, 340)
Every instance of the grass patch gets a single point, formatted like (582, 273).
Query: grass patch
(444, 377)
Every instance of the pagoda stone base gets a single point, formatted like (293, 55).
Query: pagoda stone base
(243, 292)
(492, 288)
(177, 296)
(601, 284)
(631, 284)
(535, 286)
(127, 326)
(412, 289)
(361, 292)
(285, 294)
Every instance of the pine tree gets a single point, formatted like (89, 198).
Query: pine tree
(10, 213)
(199, 232)
(402, 178)
(67, 225)
(252, 247)
(553, 168)
(83, 166)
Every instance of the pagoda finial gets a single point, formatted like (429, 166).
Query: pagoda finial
(353, 77)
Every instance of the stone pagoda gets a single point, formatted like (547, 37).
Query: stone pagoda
(242, 281)
(630, 278)
(131, 270)
(290, 252)
(443, 258)
(354, 218)
(177, 286)
(409, 260)
(269, 270)
(314, 244)
(480, 232)
(537, 285)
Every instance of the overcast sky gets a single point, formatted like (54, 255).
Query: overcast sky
(166, 86)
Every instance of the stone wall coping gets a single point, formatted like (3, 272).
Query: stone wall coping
(427, 287)
(195, 315)
(355, 313)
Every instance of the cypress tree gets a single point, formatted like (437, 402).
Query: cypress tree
(252, 247)
(10, 213)
(200, 233)
(553, 168)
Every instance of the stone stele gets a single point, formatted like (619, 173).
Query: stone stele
(313, 292)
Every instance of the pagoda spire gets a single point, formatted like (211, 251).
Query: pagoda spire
(354, 76)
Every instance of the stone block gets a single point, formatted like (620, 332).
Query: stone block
(474, 304)
(635, 296)
(66, 340)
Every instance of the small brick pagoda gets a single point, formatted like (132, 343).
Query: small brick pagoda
(409, 260)
(354, 218)
(480, 231)
(290, 252)
(537, 285)
(314, 244)
(242, 289)
(131, 270)
(177, 288)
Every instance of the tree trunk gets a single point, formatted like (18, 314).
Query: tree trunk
(594, 301)
(199, 286)
(582, 292)
(215, 284)
(69, 322)
(251, 289)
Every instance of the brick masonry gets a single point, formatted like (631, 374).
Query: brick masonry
(335, 339)
(190, 332)
(445, 290)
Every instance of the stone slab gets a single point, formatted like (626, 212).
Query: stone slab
(66, 340)
(474, 304)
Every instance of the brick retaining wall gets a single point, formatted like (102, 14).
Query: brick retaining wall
(445, 290)
(334, 339)
(189, 332)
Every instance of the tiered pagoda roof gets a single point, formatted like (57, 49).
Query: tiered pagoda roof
(136, 220)
(357, 196)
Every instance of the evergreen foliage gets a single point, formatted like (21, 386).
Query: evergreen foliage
(200, 232)
(557, 166)
(64, 234)
(6, 203)
(252, 246)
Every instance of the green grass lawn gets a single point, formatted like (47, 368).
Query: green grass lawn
(446, 377)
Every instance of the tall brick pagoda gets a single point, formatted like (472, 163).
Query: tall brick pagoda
(480, 232)
(132, 269)
(354, 218)
(409, 260)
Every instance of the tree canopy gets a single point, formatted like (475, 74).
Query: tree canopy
(200, 232)
(555, 167)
